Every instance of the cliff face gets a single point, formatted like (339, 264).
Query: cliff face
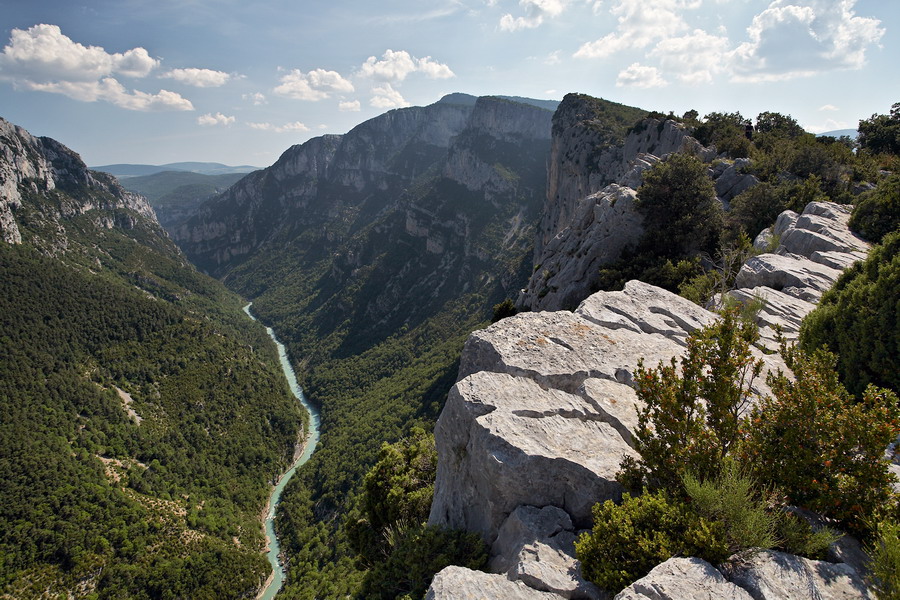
(33, 167)
(328, 181)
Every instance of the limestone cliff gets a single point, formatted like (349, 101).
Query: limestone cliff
(589, 214)
(32, 167)
(543, 413)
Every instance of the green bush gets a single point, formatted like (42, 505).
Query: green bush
(416, 554)
(885, 561)
(859, 319)
(877, 212)
(627, 541)
(818, 446)
(752, 515)
(691, 415)
(681, 213)
(734, 500)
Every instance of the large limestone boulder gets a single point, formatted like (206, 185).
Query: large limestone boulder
(683, 579)
(506, 441)
(458, 583)
(798, 277)
(544, 411)
(772, 575)
(537, 547)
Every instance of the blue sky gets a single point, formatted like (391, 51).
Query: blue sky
(240, 81)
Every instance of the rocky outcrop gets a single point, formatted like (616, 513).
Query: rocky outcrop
(595, 143)
(457, 583)
(537, 546)
(543, 413)
(602, 226)
(814, 248)
(590, 216)
(771, 575)
(683, 579)
(37, 167)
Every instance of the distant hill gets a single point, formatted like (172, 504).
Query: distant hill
(175, 195)
(852, 133)
(205, 168)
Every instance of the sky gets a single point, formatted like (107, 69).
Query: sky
(240, 81)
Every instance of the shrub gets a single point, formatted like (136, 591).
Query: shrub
(859, 319)
(751, 515)
(503, 309)
(691, 420)
(734, 500)
(885, 561)
(416, 554)
(819, 447)
(629, 540)
(681, 213)
(877, 212)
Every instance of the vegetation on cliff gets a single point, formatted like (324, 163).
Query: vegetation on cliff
(717, 476)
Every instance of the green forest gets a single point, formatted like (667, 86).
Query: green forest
(143, 415)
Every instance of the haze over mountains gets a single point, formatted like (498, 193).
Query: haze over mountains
(204, 168)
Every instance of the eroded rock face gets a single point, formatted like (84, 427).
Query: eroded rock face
(771, 575)
(815, 247)
(458, 583)
(603, 225)
(683, 579)
(32, 165)
(537, 547)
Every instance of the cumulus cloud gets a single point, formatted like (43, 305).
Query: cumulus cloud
(42, 59)
(829, 108)
(795, 38)
(536, 11)
(349, 106)
(387, 97)
(287, 127)
(640, 23)
(198, 77)
(315, 85)
(396, 66)
(640, 76)
(210, 119)
(693, 58)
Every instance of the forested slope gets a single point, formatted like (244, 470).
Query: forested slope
(142, 415)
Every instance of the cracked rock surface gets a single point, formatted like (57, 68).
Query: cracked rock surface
(815, 247)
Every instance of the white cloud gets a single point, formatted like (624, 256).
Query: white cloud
(640, 76)
(256, 98)
(553, 58)
(829, 108)
(198, 77)
(694, 58)
(42, 59)
(640, 23)
(396, 66)
(315, 85)
(536, 11)
(287, 127)
(798, 38)
(387, 97)
(349, 106)
(210, 119)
